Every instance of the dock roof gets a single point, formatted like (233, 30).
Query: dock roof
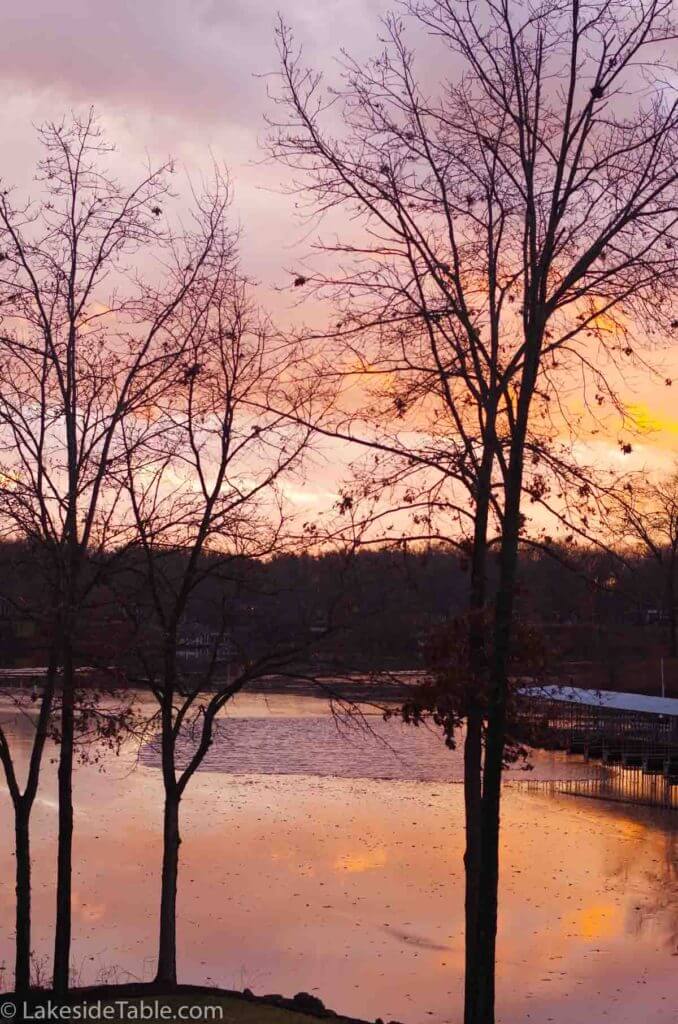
(609, 699)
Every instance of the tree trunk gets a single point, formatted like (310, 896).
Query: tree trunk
(489, 870)
(167, 947)
(22, 804)
(62, 936)
(472, 807)
(495, 733)
(495, 737)
(473, 741)
(167, 939)
(22, 963)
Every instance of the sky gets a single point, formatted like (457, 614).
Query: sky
(187, 78)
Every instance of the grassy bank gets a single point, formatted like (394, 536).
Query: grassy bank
(134, 1002)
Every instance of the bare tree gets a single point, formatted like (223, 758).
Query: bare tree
(85, 343)
(23, 799)
(516, 232)
(102, 720)
(205, 478)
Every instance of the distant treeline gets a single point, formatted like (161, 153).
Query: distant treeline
(370, 609)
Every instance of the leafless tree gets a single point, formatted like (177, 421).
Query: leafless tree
(510, 234)
(88, 335)
(23, 799)
(205, 475)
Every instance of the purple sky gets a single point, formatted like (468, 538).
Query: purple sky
(179, 78)
(170, 77)
(182, 78)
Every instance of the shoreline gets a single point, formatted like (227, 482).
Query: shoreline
(289, 1009)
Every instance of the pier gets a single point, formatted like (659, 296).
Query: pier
(634, 735)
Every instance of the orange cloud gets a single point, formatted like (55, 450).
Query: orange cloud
(651, 422)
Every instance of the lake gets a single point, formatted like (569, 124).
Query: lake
(324, 856)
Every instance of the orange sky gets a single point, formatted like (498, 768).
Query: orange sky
(183, 77)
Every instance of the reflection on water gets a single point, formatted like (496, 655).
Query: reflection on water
(353, 887)
(623, 785)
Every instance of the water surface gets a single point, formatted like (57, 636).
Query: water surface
(328, 859)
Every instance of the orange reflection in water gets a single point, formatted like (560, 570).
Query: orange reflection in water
(365, 860)
(599, 921)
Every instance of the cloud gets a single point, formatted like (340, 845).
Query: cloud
(178, 78)
(648, 420)
(192, 59)
(172, 57)
(182, 78)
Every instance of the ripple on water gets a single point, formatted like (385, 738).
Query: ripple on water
(328, 747)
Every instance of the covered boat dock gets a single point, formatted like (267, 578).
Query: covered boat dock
(629, 729)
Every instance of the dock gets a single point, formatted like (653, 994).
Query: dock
(633, 734)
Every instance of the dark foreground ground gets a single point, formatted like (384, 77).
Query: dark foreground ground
(120, 1004)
